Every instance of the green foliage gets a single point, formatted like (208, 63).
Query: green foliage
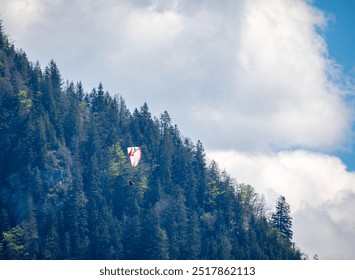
(68, 190)
(118, 160)
(25, 101)
(13, 244)
(213, 192)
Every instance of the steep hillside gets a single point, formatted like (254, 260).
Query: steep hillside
(68, 191)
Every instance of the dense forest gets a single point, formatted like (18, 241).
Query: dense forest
(68, 191)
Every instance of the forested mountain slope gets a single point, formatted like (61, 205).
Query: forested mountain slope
(68, 191)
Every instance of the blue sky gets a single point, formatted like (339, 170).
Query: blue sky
(266, 85)
(340, 38)
(340, 34)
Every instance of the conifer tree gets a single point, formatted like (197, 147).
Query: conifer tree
(281, 219)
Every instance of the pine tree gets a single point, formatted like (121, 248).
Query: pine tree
(281, 220)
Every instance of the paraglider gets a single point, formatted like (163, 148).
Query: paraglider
(135, 155)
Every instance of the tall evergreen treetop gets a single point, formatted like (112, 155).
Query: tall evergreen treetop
(281, 219)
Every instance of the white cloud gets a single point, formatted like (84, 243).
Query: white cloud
(21, 14)
(149, 29)
(282, 94)
(319, 232)
(318, 187)
(254, 72)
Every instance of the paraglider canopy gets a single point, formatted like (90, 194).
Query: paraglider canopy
(134, 154)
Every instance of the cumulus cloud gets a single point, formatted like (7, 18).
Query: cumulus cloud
(318, 187)
(327, 231)
(254, 72)
(282, 95)
(22, 13)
